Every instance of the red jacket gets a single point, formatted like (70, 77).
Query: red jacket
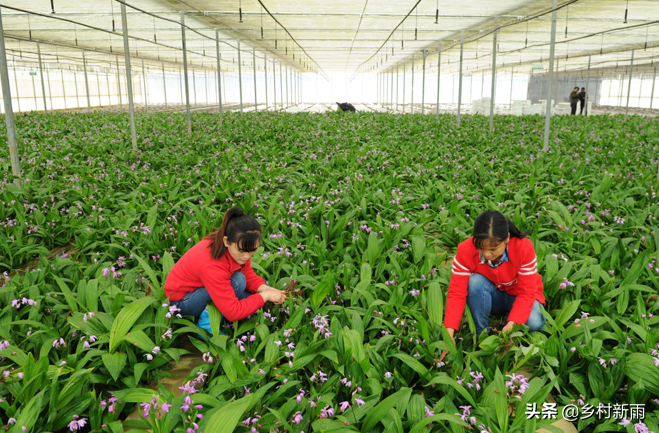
(518, 276)
(198, 269)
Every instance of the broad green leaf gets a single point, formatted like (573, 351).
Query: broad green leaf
(413, 363)
(398, 399)
(435, 304)
(323, 289)
(567, 312)
(418, 248)
(640, 368)
(125, 320)
(156, 289)
(115, 363)
(443, 379)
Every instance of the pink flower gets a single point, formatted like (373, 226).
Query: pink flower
(345, 405)
(75, 424)
(146, 408)
(186, 404)
(297, 418)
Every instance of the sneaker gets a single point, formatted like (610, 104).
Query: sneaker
(204, 323)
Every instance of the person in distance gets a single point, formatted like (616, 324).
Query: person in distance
(218, 270)
(495, 272)
(582, 100)
(574, 99)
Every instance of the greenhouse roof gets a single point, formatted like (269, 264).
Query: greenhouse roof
(343, 36)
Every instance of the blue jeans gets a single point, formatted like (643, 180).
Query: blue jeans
(485, 299)
(193, 303)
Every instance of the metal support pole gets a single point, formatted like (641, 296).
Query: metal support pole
(219, 73)
(131, 107)
(180, 82)
(493, 91)
(397, 86)
(483, 83)
(256, 103)
(404, 79)
(587, 86)
(98, 89)
(206, 86)
(387, 95)
(121, 102)
(652, 94)
(50, 90)
(423, 83)
(34, 92)
(379, 87)
(185, 74)
(43, 83)
(9, 113)
(107, 82)
(75, 81)
(146, 87)
(558, 79)
(61, 71)
(412, 86)
(84, 64)
(18, 99)
(224, 87)
(462, 39)
(391, 98)
(240, 78)
(265, 79)
(512, 76)
(629, 86)
(439, 62)
(377, 92)
(274, 83)
(550, 78)
(287, 92)
(281, 84)
(194, 86)
(164, 84)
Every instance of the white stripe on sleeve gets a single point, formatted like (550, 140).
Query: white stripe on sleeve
(455, 262)
(531, 263)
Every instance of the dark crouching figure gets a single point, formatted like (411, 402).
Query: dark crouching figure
(345, 106)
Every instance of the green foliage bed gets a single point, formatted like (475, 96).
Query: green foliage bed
(363, 210)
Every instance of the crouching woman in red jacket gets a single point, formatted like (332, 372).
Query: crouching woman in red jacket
(495, 272)
(218, 270)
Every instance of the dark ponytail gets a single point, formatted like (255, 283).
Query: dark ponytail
(494, 227)
(239, 228)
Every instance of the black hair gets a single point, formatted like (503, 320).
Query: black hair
(239, 228)
(494, 227)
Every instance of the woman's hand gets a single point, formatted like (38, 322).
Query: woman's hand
(451, 332)
(263, 288)
(273, 295)
(508, 327)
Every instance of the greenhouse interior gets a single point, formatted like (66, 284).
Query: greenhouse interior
(375, 216)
